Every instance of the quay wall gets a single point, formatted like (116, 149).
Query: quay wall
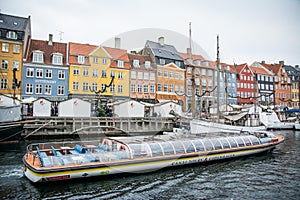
(63, 126)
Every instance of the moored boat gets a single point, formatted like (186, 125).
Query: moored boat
(112, 155)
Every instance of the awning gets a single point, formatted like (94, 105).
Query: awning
(236, 117)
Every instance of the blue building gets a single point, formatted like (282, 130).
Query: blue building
(45, 72)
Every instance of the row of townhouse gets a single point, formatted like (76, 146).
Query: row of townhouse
(58, 71)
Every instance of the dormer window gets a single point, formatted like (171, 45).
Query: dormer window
(136, 63)
(80, 59)
(121, 63)
(57, 59)
(197, 62)
(147, 64)
(11, 35)
(38, 57)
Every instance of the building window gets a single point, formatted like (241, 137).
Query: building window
(146, 76)
(48, 89)
(95, 59)
(162, 61)
(171, 88)
(178, 63)
(95, 73)
(76, 71)
(152, 89)
(146, 88)
(176, 75)
(159, 73)
(104, 61)
(171, 74)
(166, 74)
(120, 63)
(29, 88)
(75, 85)
(112, 88)
(60, 90)
(80, 59)
(152, 76)
(112, 74)
(176, 88)
(120, 75)
(132, 88)
(15, 65)
(181, 89)
(12, 35)
(140, 75)
(147, 64)
(94, 86)
(159, 87)
(120, 88)
(38, 89)
(4, 64)
(57, 59)
(16, 48)
(3, 84)
(85, 72)
(165, 87)
(39, 73)
(85, 86)
(5, 47)
(136, 63)
(181, 76)
(104, 73)
(38, 57)
(133, 75)
(139, 88)
(203, 72)
(29, 72)
(61, 74)
(48, 73)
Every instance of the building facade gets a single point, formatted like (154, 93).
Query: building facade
(142, 78)
(294, 73)
(45, 71)
(15, 33)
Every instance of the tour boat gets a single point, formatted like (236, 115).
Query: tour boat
(113, 155)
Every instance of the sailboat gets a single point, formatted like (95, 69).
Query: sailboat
(249, 121)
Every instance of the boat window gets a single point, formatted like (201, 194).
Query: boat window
(240, 141)
(189, 147)
(208, 145)
(232, 142)
(178, 147)
(247, 141)
(198, 144)
(225, 143)
(139, 150)
(216, 144)
(168, 148)
(156, 149)
(254, 140)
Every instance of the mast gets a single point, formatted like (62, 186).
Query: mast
(218, 80)
(192, 67)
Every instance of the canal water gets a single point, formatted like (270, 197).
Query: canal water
(274, 175)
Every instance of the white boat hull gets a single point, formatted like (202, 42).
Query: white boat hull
(137, 167)
(202, 126)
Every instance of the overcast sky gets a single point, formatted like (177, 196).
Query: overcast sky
(252, 30)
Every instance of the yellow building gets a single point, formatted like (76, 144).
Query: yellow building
(14, 36)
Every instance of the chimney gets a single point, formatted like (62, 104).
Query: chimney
(263, 62)
(50, 41)
(297, 66)
(281, 62)
(161, 41)
(117, 42)
(188, 51)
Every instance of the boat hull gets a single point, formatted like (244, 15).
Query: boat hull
(134, 166)
(281, 126)
(202, 126)
(11, 131)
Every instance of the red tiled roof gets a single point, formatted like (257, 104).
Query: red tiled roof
(81, 49)
(116, 53)
(48, 50)
(141, 58)
(194, 57)
(259, 70)
(272, 67)
(240, 67)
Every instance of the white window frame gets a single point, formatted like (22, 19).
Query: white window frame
(61, 74)
(38, 57)
(48, 73)
(80, 59)
(60, 90)
(48, 89)
(38, 89)
(39, 73)
(5, 47)
(16, 48)
(57, 59)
